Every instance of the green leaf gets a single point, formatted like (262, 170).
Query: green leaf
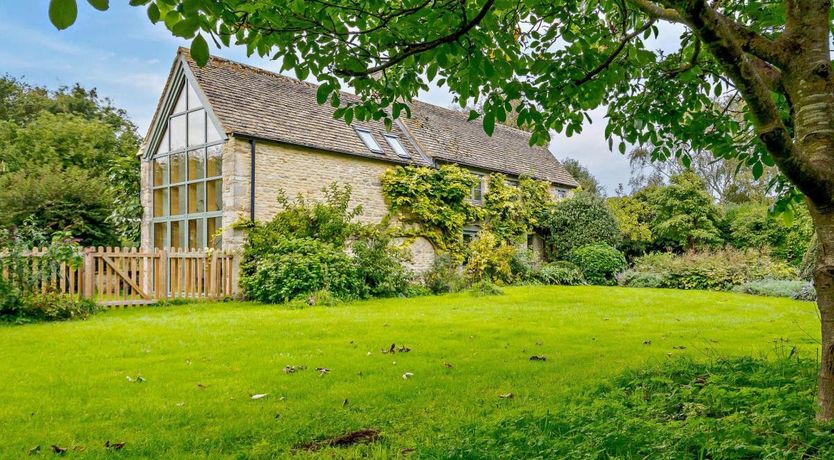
(322, 93)
(101, 5)
(62, 13)
(473, 114)
(758, 170)
(153, 13)
(186, 28)
(489, 123)
(200, 50)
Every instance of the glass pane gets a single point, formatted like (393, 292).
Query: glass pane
(180, 106)
(197, 128)
(196, 198)
(177, 233)
(213, 226)
(177, 167)
(213, 134)
(159, 230)
(160, 202)
(163, 144)
(160, 171)
(177, 200)
(215, 159)
(177, 130)
(196, 164)
(195, 234)
(214, 195)
(193, 100)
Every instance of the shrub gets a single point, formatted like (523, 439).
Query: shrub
(485, 288)
(633, 278)
(489, 259)
(752, 225)
(379, 264)
(599, 262)
(300, 266)
(719, 270)
(314, 246)
(561, 273)
(444, 276)
(579, 221)
(54, 306)
(525, 266)
(806, 292)
(743, 408)
(771, 287)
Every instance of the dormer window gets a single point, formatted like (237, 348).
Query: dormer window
(369, 140)
(396, 145)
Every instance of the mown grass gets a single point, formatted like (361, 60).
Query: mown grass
(67, 383)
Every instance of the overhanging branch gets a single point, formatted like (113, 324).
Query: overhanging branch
(416, 48)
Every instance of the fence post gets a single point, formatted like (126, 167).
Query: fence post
(164, 277)
(89, 269)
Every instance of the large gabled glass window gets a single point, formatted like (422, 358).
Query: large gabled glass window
(187, 178)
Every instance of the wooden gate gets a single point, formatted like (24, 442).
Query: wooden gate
(129, 276)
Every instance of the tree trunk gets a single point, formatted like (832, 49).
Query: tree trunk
(824, 283)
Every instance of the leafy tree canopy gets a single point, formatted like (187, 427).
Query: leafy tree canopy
(76, 135)
(586, 180)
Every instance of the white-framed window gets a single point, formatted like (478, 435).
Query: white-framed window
(561, 193)
(396, 145)
(187, 177)
(477, 192)
(511, 182)
(369, 140)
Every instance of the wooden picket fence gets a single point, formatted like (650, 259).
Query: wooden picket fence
(130, 276)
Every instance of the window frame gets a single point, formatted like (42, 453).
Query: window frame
(480, 187)
(395, 143)
(201, 217)
(360, 132)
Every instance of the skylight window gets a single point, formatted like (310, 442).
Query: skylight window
(369, 141)
(396, 145)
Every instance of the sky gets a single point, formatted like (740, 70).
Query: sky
(127, 59)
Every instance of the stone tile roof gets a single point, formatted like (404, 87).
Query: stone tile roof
(250, 101)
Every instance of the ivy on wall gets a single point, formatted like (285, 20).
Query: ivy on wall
(436, 204)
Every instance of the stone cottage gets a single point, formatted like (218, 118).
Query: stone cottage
(227, 137)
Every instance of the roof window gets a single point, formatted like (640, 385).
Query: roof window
(396, 145)
(369, 141)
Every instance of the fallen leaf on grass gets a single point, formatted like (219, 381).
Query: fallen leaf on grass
(345, 402)
(679, 347)
(138, 379)
(403, 349)
(538, 358)
(58, 449)
(323, 371)
(407, 375)
(506, 396)
(407, 451)
(114, 445)
(446, 364)
(35, 450)
(201, 386)
(259, 396)
(647, 342)
(345, 440)
(293, 369)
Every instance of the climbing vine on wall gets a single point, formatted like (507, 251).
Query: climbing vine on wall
(435, 204)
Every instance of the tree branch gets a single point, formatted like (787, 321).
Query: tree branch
(417, 48)
(715, 32)
(619, 49)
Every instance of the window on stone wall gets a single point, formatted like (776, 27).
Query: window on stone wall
(187, 179)
(477, 192)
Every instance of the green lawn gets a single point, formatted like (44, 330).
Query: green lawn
(67, 383)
